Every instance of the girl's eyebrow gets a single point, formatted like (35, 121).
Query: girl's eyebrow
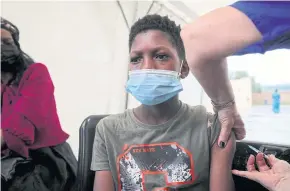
(155, 49)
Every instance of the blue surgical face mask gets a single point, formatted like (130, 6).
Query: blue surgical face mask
(152, 87)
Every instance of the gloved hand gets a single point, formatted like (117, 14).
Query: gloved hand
(275, 177)
(230, 121)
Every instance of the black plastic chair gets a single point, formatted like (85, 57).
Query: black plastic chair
(85, 177)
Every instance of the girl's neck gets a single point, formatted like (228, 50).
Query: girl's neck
(158, 114)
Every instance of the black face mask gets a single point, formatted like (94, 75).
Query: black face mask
(10, 55)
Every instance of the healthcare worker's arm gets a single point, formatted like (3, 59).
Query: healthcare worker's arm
(208, 41)
(221, 164)
(242, 28)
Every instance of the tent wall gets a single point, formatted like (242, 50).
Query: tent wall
(85, 47)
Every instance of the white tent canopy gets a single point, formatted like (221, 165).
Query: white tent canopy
(85, 47)
(201, 7)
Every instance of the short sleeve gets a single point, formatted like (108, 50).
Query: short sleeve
(214, 128)
(100, 159)
(271, 18)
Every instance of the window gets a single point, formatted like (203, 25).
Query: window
(264, 99)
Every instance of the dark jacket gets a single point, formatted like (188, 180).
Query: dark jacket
(47, 169)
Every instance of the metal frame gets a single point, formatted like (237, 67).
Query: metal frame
(123, 14)
(150, 7)
(169, 10)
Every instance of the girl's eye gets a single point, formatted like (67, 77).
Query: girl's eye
(161, 57)
(135, 60)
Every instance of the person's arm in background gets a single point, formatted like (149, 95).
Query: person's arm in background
(100, 162)
(29, 110)
(221, 178)
(208, 41)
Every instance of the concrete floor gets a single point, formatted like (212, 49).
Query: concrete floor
(263, 125)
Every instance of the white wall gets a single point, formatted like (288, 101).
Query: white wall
(242, 89)
(243, 94)
(202, 7)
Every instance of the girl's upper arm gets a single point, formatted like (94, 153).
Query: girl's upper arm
(103, 181)
(221, 166)
(100, 161)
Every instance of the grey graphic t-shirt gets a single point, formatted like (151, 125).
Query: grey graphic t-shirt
(171, 156)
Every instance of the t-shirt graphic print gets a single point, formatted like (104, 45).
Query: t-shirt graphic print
(141, 165)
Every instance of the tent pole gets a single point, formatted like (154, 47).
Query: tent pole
(164, 7)
(123, 14)
(150, 7)
(128, 27)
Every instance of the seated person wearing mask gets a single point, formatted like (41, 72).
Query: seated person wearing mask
(163, 144)
(34, 152)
